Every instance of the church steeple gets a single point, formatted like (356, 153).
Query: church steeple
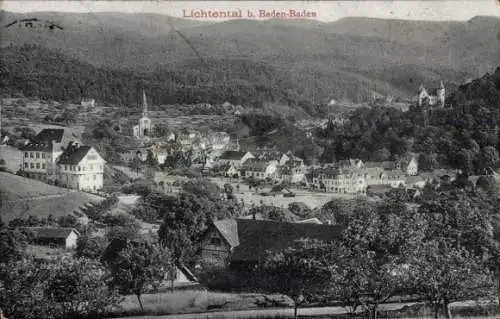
(144, 104)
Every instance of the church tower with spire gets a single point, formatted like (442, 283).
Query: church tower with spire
(144, 128)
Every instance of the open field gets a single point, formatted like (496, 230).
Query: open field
(22, 197)
(313, 312)
(197, 300)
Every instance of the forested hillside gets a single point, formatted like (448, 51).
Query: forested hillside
(465, 136)
(38, 72)
(306, 61)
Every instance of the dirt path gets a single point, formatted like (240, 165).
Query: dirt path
(316, 311)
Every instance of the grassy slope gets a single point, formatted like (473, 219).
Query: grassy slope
(21, 197)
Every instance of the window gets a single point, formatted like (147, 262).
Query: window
(31, 154)
(79, 168)
(65, 167)
(43, 155)
(215, 241)
(25, 165)
(37, 155)
(32, 165)
(43, 166)
(25, 154)
(38, 165)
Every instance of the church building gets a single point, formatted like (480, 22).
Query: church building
(144, 129)
(432, 97)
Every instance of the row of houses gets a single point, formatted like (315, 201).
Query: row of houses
(56, 156)
(346, 176)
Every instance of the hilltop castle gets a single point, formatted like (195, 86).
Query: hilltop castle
(432, 96)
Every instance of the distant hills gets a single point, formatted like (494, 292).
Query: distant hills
(309, 61)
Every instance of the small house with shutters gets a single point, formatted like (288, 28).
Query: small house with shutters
(242, 243)
(59, 237)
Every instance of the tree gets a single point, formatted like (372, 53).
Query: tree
(300, 209)
(138, 266)
(488, 159)
(487, 184)
(382, 242)
(90, 248)
(292, 273)
(78, 288)
(136, 164)
(13, 245)
(22, 289)
(446, 274)
(228, 189)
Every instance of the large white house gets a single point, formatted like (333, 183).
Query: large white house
(80, 167)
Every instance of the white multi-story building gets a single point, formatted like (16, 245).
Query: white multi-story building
(80, 167)
(41, 154)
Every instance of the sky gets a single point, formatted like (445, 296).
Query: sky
(324, 10)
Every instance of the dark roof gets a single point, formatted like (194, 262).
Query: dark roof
(43, 141)
(252, 238)
(50, 134)
(73, 154)
(255, 165)
(232, 155)
(50, 232)
(387, 165)
(40, 147)
(269, 155)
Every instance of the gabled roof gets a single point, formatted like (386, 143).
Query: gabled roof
(50, 134)
(252, 238)
(50, 232)
(74, 154)
(255, 165)
(232, 155)
(229, 230)
(43, 141)
(387, 165)
(269, 155)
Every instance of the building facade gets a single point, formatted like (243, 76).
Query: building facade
(39, 160)
(432, 97)
(80, 167)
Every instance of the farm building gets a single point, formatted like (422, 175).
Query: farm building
(52, 236)
(242, 243)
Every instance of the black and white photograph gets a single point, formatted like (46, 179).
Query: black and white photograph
(249, 159)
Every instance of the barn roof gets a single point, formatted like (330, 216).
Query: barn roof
(50, 232)
(252, 238)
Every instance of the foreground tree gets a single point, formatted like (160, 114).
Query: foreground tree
(292, 273)
(78, 288)
(446, 274)
(137, 267)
